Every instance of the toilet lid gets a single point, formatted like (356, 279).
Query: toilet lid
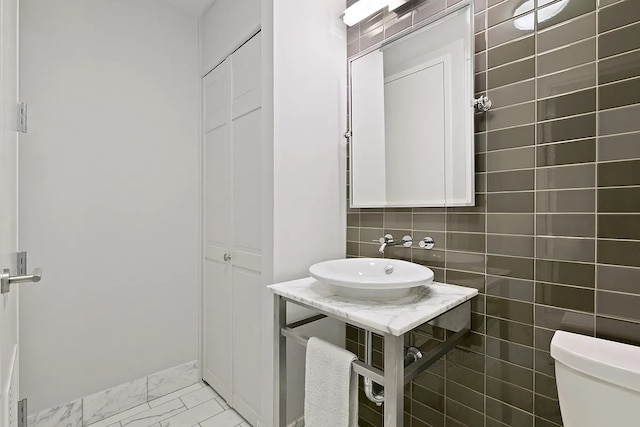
(609, 361)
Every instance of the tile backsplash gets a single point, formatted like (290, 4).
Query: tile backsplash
(553, 241)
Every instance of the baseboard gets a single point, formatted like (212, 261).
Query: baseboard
(94, 408)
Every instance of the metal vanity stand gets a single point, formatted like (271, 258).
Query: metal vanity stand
(439, 304)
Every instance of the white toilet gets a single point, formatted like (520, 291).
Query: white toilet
(598, 381)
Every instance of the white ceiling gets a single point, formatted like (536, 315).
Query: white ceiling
(193, 7)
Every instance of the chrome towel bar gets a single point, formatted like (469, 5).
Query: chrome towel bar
(413, 370)
(358, 367)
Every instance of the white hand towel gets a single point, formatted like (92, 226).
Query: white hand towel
(331, 387)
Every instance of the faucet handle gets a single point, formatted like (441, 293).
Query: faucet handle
(427, 243)
(388, 238)
(407, 241)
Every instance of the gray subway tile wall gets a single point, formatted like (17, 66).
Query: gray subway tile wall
(553, 241)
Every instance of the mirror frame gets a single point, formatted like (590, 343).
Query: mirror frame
(470, 159)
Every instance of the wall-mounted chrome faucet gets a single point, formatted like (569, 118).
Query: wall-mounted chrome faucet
(427, 243)
(387, 241)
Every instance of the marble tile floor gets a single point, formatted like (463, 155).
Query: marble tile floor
(194, 406)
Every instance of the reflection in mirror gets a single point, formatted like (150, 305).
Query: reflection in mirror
(411, 114)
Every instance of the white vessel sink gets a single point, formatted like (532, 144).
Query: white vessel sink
(371, 278)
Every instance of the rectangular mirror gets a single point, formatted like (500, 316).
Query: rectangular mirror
(411, 112)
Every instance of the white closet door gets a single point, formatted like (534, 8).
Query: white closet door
(247, 234)
(217, 214)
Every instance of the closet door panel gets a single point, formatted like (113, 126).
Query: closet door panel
(247, 183)
(247, 260)
(246, 145)
(217, 330)
(217, 286)
(246, 165)
(216, 97)
(246, 89)
(217, 292)
(233, 217)
(216, 187)
(217, 155)
(246, 342)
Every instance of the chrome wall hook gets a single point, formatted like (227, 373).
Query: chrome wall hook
(482, 104)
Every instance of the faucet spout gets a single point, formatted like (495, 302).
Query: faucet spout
(386, 240)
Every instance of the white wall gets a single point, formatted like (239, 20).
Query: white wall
(309, 85)
(309, 151)
(224, 27)
(109, 194)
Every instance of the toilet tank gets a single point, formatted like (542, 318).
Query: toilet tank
(598, 381)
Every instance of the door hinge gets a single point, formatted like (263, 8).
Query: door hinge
(22, 413)
(22, 264)
(22, 117)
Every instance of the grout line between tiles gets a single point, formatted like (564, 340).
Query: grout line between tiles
(484, 266)
(488, 131)
(530, 79)
(571, 92)
(567, 166)
(618, 134)
(609, 239)
(616, 28)
(559, 48)
(611, 83)
(617, 55)
(506, 64)
(566, 285)
(564, 70)
(630, 294)
(572, 116)
(596, 210)
(516, 39)
(562, 189)
(490, 316)
(620, 107)
(510, 364)
(516, 104)
(630, 267)
(617, 318)
(568, 21)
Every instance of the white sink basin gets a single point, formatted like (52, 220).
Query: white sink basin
(371, 278)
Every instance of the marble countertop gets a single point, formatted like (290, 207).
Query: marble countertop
(396, 317)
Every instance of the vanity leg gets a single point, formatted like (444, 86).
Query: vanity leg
(280, 362)
(393, 381)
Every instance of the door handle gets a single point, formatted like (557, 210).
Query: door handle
(6, 279)
(227, 257)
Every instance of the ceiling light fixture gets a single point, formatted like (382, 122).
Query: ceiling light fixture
(527, 22)
(394, 4)
(364, 8)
